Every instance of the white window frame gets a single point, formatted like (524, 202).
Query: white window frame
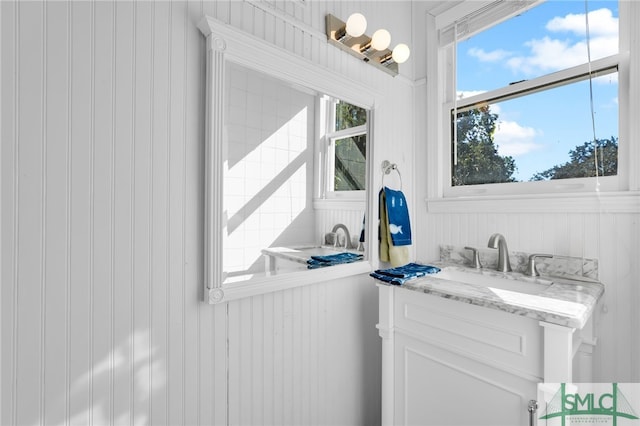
(476, 21)
(328, 138)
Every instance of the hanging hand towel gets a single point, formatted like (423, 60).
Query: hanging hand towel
(398, 217)
(396, 254)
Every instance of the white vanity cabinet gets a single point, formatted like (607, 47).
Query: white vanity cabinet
(447, 362)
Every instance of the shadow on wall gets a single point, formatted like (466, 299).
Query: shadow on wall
(268, 186)
(133, 362)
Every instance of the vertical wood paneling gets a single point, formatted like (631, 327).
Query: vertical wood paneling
(80, 227)
(101, 332)
(102, 240)
(56, 225)
(635, 292)
(8, 207)
(623, 234)
(43, 215)
(122, 219)
(30, 297)
(175, 233)
(268, 364)
(256, 344)
(196, 316)
(143, 216)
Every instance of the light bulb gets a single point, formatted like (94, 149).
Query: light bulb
(381, 39)
(356, 25)
(401, 53)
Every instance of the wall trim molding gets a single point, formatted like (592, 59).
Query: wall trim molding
(614, 202)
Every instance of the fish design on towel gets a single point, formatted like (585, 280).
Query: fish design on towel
(395, 229)
(397, 214)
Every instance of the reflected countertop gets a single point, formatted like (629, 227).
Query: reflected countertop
(302, 253)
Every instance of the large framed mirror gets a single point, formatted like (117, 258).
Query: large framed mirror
(288, 154)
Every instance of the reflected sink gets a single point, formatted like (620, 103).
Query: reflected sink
(283, 259)
(319, 250)
(303, 253)
(494, 281)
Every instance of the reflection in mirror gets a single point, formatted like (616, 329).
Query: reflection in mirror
(286, 149)
(347, 147)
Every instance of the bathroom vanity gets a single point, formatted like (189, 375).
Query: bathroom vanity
(469, 346)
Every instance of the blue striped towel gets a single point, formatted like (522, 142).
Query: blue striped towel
(402, 274)
(332, 259)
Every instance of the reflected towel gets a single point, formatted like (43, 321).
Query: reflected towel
(332, 259)
(402, 274)
(389, 252)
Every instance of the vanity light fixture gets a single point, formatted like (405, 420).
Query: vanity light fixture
(351, 37)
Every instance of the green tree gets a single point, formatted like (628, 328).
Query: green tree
(582, 162)
(478, 158)
(350, 152)
(348, 116)
(350, 163)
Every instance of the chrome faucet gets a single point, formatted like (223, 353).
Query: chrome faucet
(498, 241)
(347, 236)
(476, 257)
(532, 271)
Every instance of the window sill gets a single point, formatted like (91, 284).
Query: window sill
(610, 202)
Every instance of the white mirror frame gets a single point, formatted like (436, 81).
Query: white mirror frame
(226, 43)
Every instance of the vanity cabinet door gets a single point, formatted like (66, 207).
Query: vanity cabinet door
(435, 386)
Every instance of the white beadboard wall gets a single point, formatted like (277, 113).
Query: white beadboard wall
(102, 201)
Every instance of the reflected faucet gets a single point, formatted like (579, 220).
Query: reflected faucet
(347, 236)
(498, 241)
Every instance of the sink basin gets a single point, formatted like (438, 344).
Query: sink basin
(494, 281)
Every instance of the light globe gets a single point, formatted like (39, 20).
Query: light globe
(381, 39)
(400, 53)
(356, 25)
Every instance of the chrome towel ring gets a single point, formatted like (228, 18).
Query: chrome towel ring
(387, 167)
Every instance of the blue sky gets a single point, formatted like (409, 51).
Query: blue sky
(538, 131)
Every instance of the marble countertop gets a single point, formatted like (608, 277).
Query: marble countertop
(566, 302)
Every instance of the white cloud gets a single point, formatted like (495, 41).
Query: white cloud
(549, 54)
(514, 140)
(493, 56)
(601, 23)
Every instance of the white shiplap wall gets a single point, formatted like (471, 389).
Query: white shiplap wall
(102, 164)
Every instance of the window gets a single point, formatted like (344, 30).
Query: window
(530, 102)
(346, 148)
